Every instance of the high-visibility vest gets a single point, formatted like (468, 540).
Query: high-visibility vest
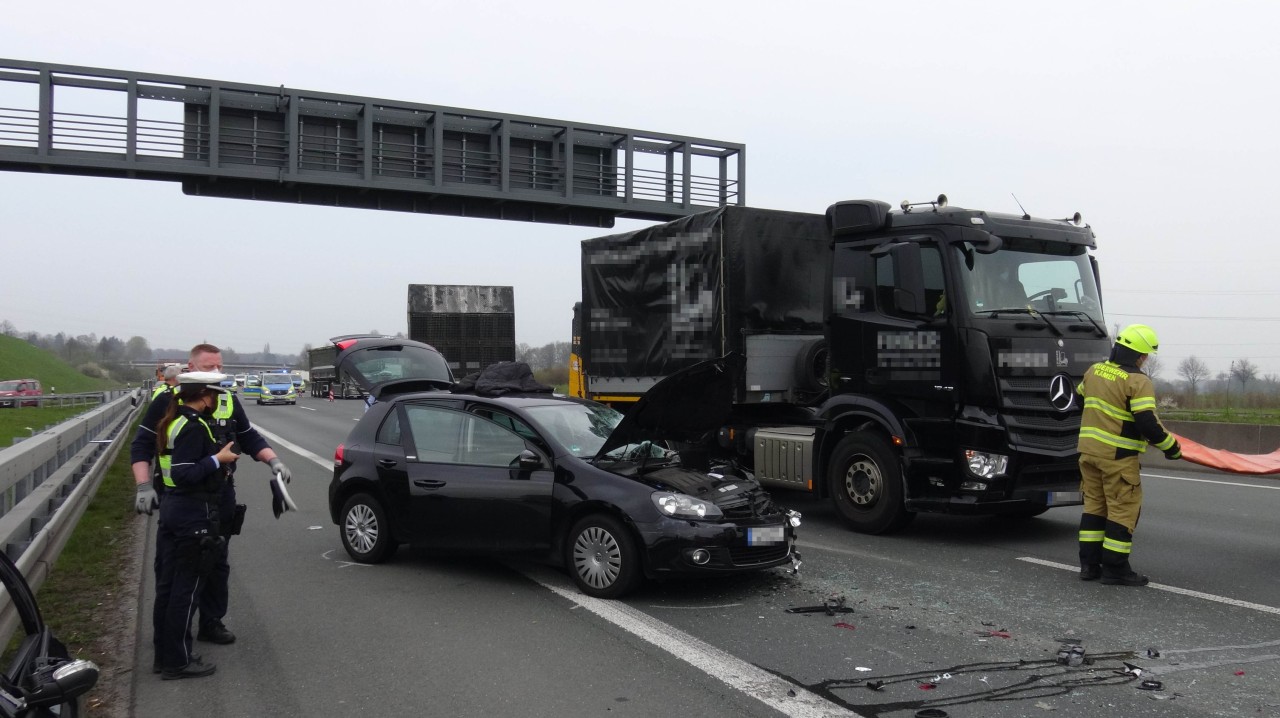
(221, 414)
(175, 428)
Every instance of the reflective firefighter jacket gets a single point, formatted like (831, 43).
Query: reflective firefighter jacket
(1119, 413)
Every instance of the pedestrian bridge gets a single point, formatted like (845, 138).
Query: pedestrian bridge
(224, 139)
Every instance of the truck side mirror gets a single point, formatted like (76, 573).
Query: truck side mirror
(908, 278)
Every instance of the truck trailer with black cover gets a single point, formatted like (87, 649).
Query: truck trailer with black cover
(895, 361)
(473, 325)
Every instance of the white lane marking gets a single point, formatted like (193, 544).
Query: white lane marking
(1210, 481)
(277, 439)
(755, 682)
(307, 408)
(1171, 589)
(696, 608)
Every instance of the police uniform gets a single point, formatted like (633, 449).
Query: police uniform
(1119, 421)
(229, 423)
(189, 538)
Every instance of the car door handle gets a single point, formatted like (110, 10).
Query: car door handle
(427, 484)
(387, 463)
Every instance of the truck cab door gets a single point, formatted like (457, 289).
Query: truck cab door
(890, 323)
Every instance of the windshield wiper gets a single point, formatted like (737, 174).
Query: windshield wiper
(1077, 313)
(1023, 310)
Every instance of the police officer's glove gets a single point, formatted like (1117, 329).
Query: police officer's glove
(1173, 452)
(146, 499)
(278, 467)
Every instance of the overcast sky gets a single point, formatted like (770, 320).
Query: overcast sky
(1156, 121)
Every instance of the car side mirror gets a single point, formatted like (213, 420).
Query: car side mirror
(528, 461)
(63, 684)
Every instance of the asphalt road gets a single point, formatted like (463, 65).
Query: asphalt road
(961, 615)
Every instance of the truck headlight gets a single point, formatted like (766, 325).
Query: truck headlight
(984, 465)
(685, 506)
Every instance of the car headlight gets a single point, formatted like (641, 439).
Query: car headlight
(984, 465)
(685, 506)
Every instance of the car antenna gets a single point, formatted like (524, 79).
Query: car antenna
(1024, 212)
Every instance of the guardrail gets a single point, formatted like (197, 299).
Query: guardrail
(46, 482)
(30, 402)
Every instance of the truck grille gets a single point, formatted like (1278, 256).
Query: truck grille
(1032, 421)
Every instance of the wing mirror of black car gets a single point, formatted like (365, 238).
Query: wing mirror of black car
(528, 461)
(62, 684)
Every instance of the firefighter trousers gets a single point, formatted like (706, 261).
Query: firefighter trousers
(1112, 491)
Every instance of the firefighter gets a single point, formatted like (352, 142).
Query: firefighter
(189, 539)
(1119, 421)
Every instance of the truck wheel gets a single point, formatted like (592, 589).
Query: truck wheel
(811, 365)
(866, 485)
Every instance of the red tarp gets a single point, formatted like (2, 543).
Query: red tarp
(1229, 461)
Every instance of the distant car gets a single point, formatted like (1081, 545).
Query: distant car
(610, 498)
(277, 388)
(252, 385)
(12, 391)
(229, 383)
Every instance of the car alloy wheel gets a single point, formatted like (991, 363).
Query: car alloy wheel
(365, 532)
(602, 557)
(596, 557)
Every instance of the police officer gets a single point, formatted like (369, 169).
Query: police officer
(190, 533)
(231, 423)
(1119, 421)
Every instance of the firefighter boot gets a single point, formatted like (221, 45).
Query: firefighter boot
(1121, 575)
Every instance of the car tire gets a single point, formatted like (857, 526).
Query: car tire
(866, 485)
(602, 557)
(366, 535)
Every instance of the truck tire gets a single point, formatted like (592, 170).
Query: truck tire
(865, 483)
(812, 362)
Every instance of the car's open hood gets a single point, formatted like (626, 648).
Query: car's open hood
(682, 407)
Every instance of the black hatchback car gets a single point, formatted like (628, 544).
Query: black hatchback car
(614, 499)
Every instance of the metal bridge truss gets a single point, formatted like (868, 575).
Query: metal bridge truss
(274, 143)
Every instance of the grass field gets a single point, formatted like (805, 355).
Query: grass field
(28, 420)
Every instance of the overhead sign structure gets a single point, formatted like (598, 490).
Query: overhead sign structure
(224, 139)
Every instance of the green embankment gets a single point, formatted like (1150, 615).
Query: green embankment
(20, 360)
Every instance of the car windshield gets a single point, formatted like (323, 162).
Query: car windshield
(1021, 276)
(251, 381)
(580, 428)
(277, 379)
(8, 386)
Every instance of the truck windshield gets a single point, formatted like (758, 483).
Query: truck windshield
(1025, 275)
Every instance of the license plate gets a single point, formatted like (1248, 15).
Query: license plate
(1063, 498)
(765, 535)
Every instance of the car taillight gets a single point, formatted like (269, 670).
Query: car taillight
(337, 455)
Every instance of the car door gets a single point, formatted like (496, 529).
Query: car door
(466, 490)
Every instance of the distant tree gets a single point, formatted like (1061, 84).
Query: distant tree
(1194, 371)
(1244, 371)
(7, 328)
(137, 349)
(110, 349)
(1151, 367)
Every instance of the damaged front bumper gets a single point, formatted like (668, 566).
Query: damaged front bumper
(681, 546)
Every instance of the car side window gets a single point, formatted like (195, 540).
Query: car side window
(435, 432)
(389, 432)
(488, 444)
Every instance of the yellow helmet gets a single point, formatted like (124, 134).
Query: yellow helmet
(1140, 338)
